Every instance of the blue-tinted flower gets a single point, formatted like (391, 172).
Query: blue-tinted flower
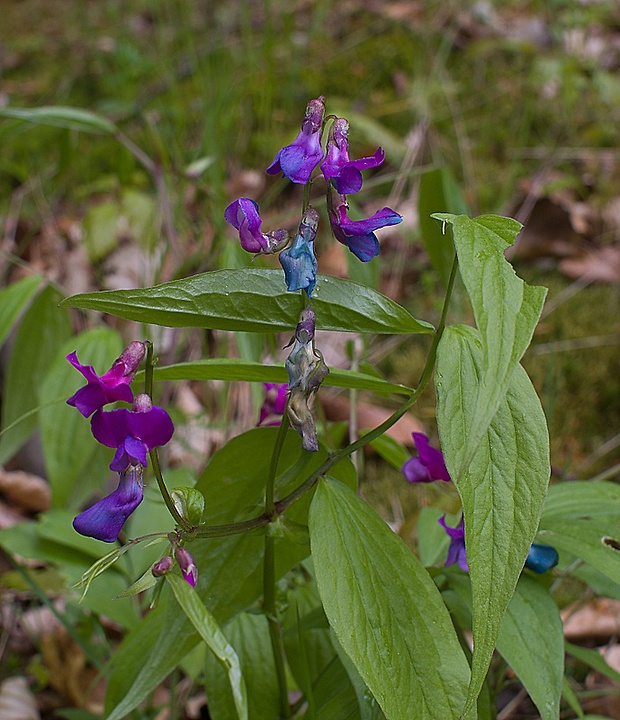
(541, 558)
(244, 216)
(345, 174)
(297, 160)
(274, 404)
(456, 551)
(298, 260)
(358, 235)
(111, 386)
(105, 519)
(133, 433)
(428, 466)
(187, 565)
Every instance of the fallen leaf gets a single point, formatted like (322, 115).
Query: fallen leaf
(598, 265)
(26, 490)
(17, 701)
(599, 618)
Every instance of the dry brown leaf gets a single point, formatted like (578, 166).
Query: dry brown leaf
(599, 265)
(9, 516)
(30, 492)
(600, 618)
(17, 701)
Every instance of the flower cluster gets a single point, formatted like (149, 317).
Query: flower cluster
(429, 466)
(133, 433)
(343, 176)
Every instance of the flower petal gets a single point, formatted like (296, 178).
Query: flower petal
(415, 471)
(110, 427)
(243, 214)
(105, 519)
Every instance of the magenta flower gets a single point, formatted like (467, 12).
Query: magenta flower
(297, 160)
(274, 404)
(105, 519)
(428, 466)
(456, 551)
(187, 565)
(358, 235)
(110, 387)
(133, 433)
(345, 174)
(244, 216)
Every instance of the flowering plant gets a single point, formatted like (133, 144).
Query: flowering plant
(368, 626)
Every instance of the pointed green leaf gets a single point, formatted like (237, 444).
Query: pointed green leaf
(256, 300)
(41, 334)
(385, 610)
(212, 635)
(12, 302)
(504, 483)
(506, 311)
(249, 635)
(532, 643)
(62, 117)
(234, 369)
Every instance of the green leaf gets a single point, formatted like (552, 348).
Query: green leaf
(390, 450)
(531, 641)
(212, 635)
(438, 190)
(504, 483)
(253, 299)
(234, 369)
(101, 224)
(43, 331)
(593, 659)
(506, 311)
(385, 610)
(249, 635)
(69, 448)
(62, 117)
(190, 503)
(582, 519)
(12, 302)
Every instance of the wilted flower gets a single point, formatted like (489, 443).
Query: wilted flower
(133, 433)
(456, 551)
(306, 371)
(298, 160)
(243, 214)
(358, 235)
(111, 386)
(345, 174)
(187, 565)
(541, 558)
(105, 519)
(274, 404)
(428, 466)
(298, 260)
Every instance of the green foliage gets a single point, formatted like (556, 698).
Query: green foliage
(363, 584)
(255, 300)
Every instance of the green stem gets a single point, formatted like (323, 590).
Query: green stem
(270, 507)
(178, 518)
(275, 631)
(148, 370)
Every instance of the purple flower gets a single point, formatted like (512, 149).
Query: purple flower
(274, 404)
(187, 565)
(105, 519)
(358, 235)
(133, 433)
(345, 174)
(428, 466)
(456, 551)
(244, 216)
(162, 566)
(298, 160)
(298, 260)
(110, 387)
